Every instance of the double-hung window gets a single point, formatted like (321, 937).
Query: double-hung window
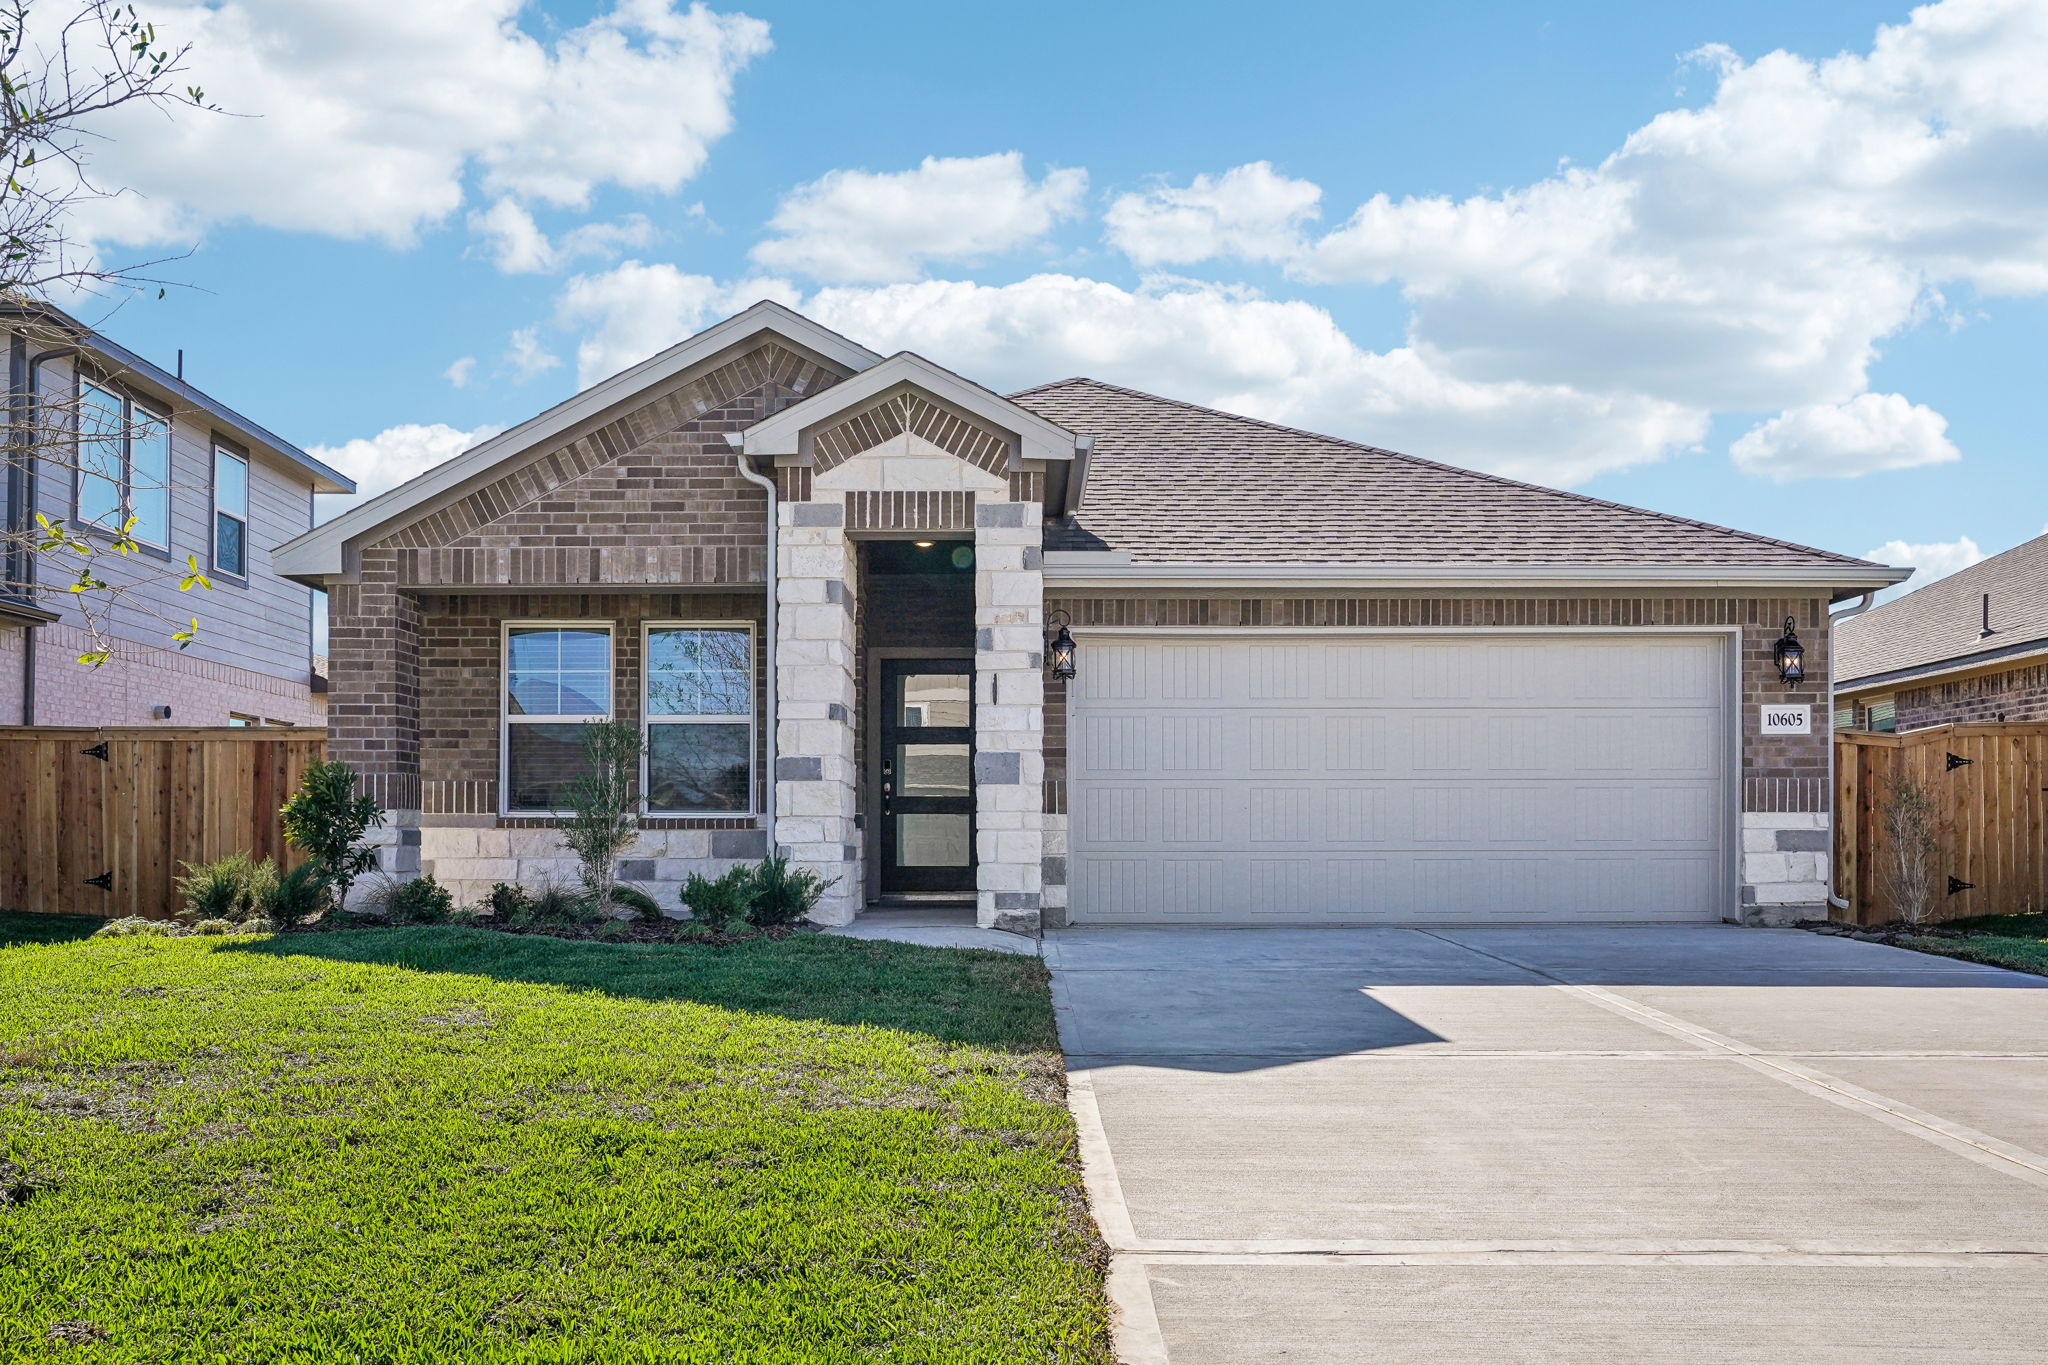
(124, 464)
(700, 719)
(558, 677)
(230, 512)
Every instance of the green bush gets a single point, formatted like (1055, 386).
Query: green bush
(293, 896)
(135, 926)
(258, 925)
(639, 902)
(508, 901)
(233, 887)
(559, 905)
(784, 894)
(327, 820)
(214, 926)
(717, 902)
(421, 901)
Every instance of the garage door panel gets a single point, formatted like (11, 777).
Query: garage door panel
(1398, 781)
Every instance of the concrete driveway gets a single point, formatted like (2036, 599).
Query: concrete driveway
(1648, 1145)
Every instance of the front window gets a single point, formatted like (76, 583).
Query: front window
(557, 678)
(124, 465)
(230, 513)
(700, 719)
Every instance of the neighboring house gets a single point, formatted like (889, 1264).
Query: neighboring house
(1971, 646)
(1315, 681)
(200, 480)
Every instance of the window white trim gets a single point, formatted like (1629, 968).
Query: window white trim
(506, 720)
(752, 718)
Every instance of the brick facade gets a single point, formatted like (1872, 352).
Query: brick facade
(128, 688)
(2015, 694)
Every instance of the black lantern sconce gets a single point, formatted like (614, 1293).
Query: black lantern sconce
(1790, 656)
(1059, 649)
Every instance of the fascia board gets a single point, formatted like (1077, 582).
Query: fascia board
(781, 436)
(1095, 571)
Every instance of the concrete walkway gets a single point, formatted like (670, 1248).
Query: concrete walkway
(1658, 1146)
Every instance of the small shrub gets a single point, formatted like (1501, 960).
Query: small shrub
(422, 900)
(226, 888)
(604, 804)
(784, 894)
(135, 926)
(295, 895)
(554, 904)
(613, 929)
(327, 820)
(1909, 848)
(466, 916)
(214, 926)
(508, 901)
(258, 925)
(717, 902)
(639, 902)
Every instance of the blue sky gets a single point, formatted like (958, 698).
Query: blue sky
(1749, 263)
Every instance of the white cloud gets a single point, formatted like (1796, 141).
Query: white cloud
(391, 457)
(458, 374)
(1870, 432)
(516, 245)
(1751, 253)
(363, 118)
(1286, 361)
(1250, 211)
(858, 226)
(1929, 562)
(632, 311)
(527, 356)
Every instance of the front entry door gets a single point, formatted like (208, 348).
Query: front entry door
(927, 776)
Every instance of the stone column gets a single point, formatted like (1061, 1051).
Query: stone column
(1009, 714)
(816, 769)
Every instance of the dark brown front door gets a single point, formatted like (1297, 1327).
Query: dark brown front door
(927, 787)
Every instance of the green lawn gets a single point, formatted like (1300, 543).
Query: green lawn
(449, 1145)
(2016, 941)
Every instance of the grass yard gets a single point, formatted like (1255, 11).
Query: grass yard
(2016, 941)
(450, 1145)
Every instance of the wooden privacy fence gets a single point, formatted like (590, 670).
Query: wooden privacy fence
(1991, 816)
(95, 822)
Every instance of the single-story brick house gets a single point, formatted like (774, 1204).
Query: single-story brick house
(1313, 681)
(1969, 647)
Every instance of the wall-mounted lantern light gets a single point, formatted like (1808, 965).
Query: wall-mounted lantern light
(1059, 649)
(1790, 656)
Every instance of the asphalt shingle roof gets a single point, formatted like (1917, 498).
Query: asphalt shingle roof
(1173, 483)
(1940, 622)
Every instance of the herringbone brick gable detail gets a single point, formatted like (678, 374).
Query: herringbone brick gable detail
(611, 505)
(979, 446)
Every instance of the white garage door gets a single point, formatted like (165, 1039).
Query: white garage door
(1440, 779)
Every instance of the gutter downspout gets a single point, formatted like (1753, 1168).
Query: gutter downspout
(1835, 899)
(737, 440)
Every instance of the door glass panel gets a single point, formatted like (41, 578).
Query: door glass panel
(933, 700)
(932, 841)
(932, 770)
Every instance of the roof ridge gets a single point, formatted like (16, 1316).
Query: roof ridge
(1448, 468)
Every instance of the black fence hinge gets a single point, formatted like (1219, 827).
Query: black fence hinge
(105, 881)
(1956, 761)
(98, 751)
(1956, 885)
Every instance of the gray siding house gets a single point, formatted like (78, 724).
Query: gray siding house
(1078, 654)
(201, 480)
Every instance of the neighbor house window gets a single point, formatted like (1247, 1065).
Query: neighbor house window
(1883, 716)
(238, 721)
(230, 512)
(700, 719)
(558, 677)
(124, 464)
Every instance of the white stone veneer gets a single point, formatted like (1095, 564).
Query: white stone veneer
(1784, 867)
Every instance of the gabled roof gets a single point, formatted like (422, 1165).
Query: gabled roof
(1039, 439)
(322, 550)
(1938, 628)
(160, 383)
(1173, 483)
